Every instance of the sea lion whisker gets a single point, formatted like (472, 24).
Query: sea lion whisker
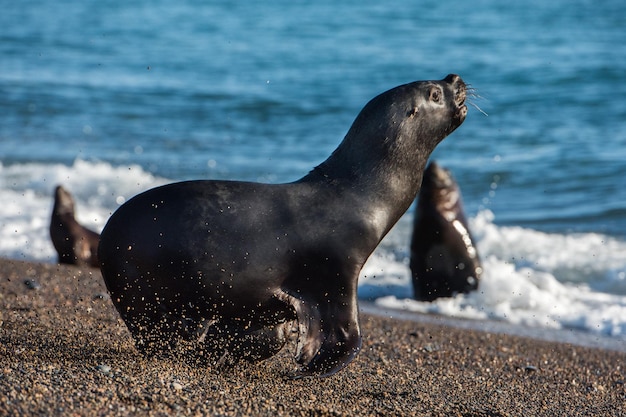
(471, 90)
(472, 93)
(474, 105)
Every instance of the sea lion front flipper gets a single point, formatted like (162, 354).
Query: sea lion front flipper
(329, 335)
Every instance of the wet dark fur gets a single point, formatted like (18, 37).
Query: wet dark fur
(236, 266)
(444, 259)
(74, 243)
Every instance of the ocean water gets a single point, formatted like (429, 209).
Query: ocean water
(112, 98)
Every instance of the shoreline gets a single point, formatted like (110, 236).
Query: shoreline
(570, 336)
(64, 351)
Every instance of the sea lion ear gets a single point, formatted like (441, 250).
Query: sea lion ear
(329, 336)
(413, 112)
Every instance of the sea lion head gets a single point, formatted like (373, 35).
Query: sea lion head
(401, 127)
(440, 189)
(434, 109)
(63, 202)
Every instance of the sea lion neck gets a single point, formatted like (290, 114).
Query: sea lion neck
(382, 189)
(384, 171)
(379, 164)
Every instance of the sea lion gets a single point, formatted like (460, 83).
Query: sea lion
(74, 243)
(444, 259)
(235, 264)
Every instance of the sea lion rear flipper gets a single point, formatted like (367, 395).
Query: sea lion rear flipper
(329, 335)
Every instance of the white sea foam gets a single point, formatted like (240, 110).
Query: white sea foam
(26, 192)
(530, 277)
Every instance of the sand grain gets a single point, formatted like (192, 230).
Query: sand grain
(64, 351)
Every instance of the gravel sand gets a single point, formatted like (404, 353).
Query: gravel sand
(65, 352)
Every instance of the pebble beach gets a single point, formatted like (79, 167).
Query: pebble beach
(65, 352)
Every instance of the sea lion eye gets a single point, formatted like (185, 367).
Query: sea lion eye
(435, 95)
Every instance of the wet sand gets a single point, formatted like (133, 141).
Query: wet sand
(64, 352)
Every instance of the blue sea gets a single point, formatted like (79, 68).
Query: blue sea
(112, 98)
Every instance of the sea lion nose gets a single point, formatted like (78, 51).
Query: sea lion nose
(459, 87)
(453, 79)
